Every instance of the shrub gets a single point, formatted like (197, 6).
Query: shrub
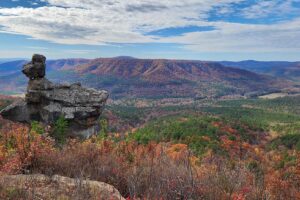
(37, 128)
(188, 167)
(104, 129)
(59, 130)
(290, 141)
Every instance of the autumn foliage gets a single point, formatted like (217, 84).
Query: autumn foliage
(164, 170)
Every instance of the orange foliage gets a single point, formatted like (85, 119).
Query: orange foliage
(178, 151)
(18, 146)
(156, 171)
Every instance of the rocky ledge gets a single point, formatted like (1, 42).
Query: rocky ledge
(46, 102)
(39, 186)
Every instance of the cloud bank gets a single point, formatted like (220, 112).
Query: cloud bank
(102, 22)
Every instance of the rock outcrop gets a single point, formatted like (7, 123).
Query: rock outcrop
(56, 187)
(46, 102)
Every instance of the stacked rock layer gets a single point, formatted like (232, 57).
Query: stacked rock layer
(46, 102)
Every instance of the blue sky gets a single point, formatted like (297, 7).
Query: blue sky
(190, 29)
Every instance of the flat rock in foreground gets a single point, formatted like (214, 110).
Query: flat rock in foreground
(56, 187)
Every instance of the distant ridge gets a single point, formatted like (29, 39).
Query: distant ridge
(179, 77)
(11, 67)
(163, 69)
(124, 57)
(126, 76)
(61, 64)
(5, 60)
(282, 69)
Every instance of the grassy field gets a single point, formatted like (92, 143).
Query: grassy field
(273, 96)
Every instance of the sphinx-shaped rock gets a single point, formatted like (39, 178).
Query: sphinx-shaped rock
(46, 102)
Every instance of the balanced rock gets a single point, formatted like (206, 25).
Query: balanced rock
(46, 102)
(36, 68)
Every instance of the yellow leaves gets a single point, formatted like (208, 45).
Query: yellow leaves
(277, 157)
(195, 161)
(257, 150)
(117, 135)
(246, 145)
(206, 138)
(217, 124)
(178, 147)
(3, 154)
(177, 151)
(183, 119)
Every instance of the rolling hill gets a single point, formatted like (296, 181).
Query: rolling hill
(61, 64)
(13, 81)
(150, 78)
(11, 67)
(176, 78)
(166, 70)
(282, 69)
(65, 64)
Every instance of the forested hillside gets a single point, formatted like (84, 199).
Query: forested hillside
(235, 149)
(151, 78)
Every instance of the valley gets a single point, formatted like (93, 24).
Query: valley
(163, 134)
(149, 100)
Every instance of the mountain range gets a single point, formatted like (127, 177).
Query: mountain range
(159, 78)
(282, 69)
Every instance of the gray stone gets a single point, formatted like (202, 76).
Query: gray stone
(18, 111)
(39, 186)
(36, 68)
(46, 102)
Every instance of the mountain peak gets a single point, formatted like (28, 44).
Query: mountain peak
(125, 58)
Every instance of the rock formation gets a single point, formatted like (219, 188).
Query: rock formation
(39, 186)
(46, 102)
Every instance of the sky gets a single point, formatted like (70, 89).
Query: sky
(175, 29)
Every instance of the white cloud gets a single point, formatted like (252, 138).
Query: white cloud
(232, 37)
(265, 8)
(98, 22)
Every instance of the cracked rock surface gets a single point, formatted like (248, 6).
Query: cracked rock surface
(46, 102)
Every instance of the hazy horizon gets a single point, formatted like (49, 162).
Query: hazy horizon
(231, 30)
(158, 58)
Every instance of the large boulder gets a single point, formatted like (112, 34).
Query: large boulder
(46, 102)
(38, 186)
